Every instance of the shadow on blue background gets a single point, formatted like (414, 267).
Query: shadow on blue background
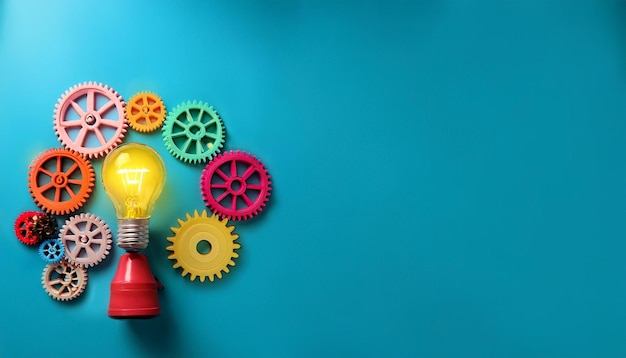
(449, 176)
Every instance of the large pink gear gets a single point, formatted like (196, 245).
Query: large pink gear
(87, 239)
(89, 119)
(235, 185)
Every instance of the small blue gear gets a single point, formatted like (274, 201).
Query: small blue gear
(193, 132)
(51, 251)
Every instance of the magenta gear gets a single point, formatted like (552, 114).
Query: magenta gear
(87, 239)
(89, 119)
(235, 185)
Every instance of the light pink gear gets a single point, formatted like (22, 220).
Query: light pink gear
(89, 119)
(235, 185)
(87, 239)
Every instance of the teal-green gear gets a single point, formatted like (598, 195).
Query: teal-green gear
(193, 132)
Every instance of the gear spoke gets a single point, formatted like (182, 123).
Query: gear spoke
(248, 172)
(186, 144)
(57, 194)
(210, 135)
(219, 185)
(246, 199)
(105, 108)
(100, 136)
(209, 123)
(91, 101)
(199, 120)
(46, 187)
(233, 169)
(71, 169)
(111, 123)
(72, 124)
(233, 205)
(222, 197)
(78, 109)
(178, 134)
(181, 124)
(254, 187)
(199, 148)
(80, 138)
(189, 117)
(75, 251)
(70, 191)
(46, 172)
(222, 174)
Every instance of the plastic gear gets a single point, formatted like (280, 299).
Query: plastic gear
(89, 118)
(60, 181)
(25, 227)
(235, 185)
(87, 239)
(51, 251)
(64, 281)
(145, 112)
(44, 226)
(203, 230)
(193, 132)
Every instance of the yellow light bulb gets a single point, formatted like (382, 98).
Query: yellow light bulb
(133, 176)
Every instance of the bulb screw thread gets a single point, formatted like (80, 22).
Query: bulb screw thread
(133, 234)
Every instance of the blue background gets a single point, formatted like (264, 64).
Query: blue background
(449, 176)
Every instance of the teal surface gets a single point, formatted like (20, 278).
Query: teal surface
(449, 176)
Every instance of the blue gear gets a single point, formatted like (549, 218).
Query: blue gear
(52, 251)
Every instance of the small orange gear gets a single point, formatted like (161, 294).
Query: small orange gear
(60, 181)
(145, 112)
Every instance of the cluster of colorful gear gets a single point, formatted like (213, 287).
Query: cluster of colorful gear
(90, 119)
(203, 246)
(234, 185)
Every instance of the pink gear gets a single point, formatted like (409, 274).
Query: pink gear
(89, 118)
(235, 185)
(87, 239)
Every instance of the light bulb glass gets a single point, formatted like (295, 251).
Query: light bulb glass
(133, 176)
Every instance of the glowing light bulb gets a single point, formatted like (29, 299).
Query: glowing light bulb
(133, 176)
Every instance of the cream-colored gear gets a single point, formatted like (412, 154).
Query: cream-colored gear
(64, 281)
(196, 231)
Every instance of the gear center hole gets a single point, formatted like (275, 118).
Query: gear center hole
(196, 130)
(237, 186)
(203, 247)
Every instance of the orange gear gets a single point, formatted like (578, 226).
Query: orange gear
(60, 181)
(145, 112)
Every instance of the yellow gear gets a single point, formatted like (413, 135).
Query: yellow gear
(191, 234)
(145, 112)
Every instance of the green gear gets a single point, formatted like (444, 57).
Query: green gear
(193, 132)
